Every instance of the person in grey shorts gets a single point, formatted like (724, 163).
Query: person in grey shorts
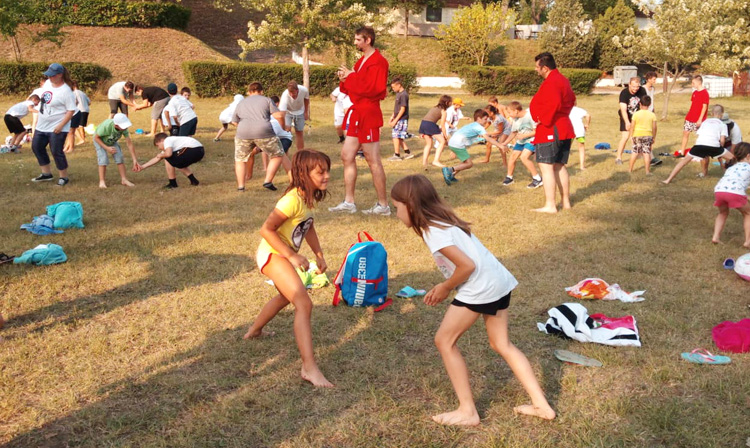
(120, 96)
(295, 101)
(255, 134)
(105, 142)
(155, 97)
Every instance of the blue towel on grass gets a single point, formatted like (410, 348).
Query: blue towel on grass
(66, 215)
(603, 145)
(41, 225)
(42, 255)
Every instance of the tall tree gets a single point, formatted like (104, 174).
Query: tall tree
(14, 13)
(532, 11)
(468, 37)
(569, 35)
(616, 21)
(596, 8)
(689, 32)
(305, 26)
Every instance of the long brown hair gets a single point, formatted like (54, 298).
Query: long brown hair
(426, 208)
(303, 163)
(444, 102)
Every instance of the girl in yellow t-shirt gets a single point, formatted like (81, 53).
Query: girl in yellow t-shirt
(643, 133)
(278, 258)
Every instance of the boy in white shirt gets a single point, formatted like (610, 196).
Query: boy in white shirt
(581, 121)
(13, 120)
(295, 101)
(178, 153)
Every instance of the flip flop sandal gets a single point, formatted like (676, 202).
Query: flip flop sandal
(409, 292)
(6, 258)
(701, 356)
(575, 358)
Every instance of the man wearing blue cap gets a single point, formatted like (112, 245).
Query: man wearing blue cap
(56, 108)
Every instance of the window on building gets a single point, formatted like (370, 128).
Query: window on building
(434, 14)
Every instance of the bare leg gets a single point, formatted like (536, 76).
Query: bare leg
(704, 166)
(745, 210)
(123, 176)
(290, 286)
(455, 323)
(439, 150)
(621, 146)
(582, 155)
(426, 150)
(241, 171)
(171, 173)
(487, 154)
(685, 136)
(563, 183)
(721, 219)
(397, 146)
(647, 162)
(632, 163)
(550, 183)
(526, 160)
(348, 154)
(273, 166)
(102, 176)
(300, 139)
(512, 163)
(372, 156)
(497, 331)
(221, 132)
(463, 166)
(680, 165)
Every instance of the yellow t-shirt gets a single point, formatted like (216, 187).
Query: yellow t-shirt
(643, 120)
(294, 229)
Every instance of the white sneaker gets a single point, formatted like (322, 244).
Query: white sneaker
(378, 209)
(344, 207)
(394, 158)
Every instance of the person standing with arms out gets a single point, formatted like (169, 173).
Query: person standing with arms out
(550, 108)
(341, 103)
(366, 85)
(295, 101)
(155, 97)
(400, 121)
(120, 96)
(56, 108)
(630, 103)
(697, 113)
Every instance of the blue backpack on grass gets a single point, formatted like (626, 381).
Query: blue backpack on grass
(363, 277)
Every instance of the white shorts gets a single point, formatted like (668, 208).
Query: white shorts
(338, 120)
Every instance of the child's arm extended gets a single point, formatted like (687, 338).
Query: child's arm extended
(312, 241)
(165, 154)
(131, 148)
(464, 268)
(269, 233)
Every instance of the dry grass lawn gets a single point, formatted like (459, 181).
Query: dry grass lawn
(136, 341)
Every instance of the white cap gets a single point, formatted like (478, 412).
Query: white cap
(122, 121)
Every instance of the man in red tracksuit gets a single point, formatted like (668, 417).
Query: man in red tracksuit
(550, 109)
(366, 86)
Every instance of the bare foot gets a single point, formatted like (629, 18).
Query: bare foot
(583, 168)
(550, 210)
(102, 184)
(438, 164)
(484, 161)
(528, 409)
(457, 418)
(258, 334)
(127, 183)
(316, 378)
(665, 182)
(716, 241)
(746, 245)
(567, 206)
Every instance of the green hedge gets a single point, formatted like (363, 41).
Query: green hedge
(521, 80)
(120, 13)
(21, 79)
(212, 79)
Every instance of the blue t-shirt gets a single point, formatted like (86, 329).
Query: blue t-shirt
(467, 135)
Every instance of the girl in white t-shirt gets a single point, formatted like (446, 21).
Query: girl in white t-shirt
(483, 288)
(731, 192)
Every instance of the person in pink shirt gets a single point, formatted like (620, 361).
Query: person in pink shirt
(698, 110)
(550, 109)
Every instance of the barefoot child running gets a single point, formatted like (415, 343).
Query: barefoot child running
(731, 192)
(483, 289)
(278, 258)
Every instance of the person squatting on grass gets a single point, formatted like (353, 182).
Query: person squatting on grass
(731, 192)
(291, 222)
(483, 288)
(712, 135)
(105, 141)
(178, 153)
(643, 134)
(462, 139)
(13, 119)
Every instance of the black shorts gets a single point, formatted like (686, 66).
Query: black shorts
(188, 128)
(75, 122)
(429, 128)
(84, 119)
(622, 122)
(285, 144)
(702, 151)
(553, 152)
(486, 308)
(14, 124)
(187, 157)
(117, 104)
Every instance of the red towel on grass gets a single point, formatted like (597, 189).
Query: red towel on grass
(733, 336)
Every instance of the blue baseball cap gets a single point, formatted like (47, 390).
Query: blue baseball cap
(54, 69)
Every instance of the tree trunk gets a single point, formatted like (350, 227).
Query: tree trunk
(305, 67)
(16, 48)
(406, 21)
(676, 74)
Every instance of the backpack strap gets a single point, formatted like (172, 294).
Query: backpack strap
(337, 295)
(385, 305)
(367, 235)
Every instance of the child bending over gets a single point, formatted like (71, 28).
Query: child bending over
(731, 192)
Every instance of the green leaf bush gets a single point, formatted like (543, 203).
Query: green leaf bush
(22, 78)
(117, 13)
(212, 79)
(525, 81)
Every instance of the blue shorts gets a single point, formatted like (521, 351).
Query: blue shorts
(400, 129)
(102, 155)
(522, 146)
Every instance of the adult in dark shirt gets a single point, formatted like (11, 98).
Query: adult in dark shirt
(156, 97)
(630, 103)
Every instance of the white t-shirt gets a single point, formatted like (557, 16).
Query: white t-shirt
(182, 108)
(490, 280)
(710, 132)
(20, 110)
(116, 90)
(178, 143)
(343, 102)
(226, 115)
(452, 115)
(82, 100)
(576, 117)
(735, 135)
(736, 180)
(172, 114)
(278, 130)
(38, 92)
(294, 106)
(55, 103)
